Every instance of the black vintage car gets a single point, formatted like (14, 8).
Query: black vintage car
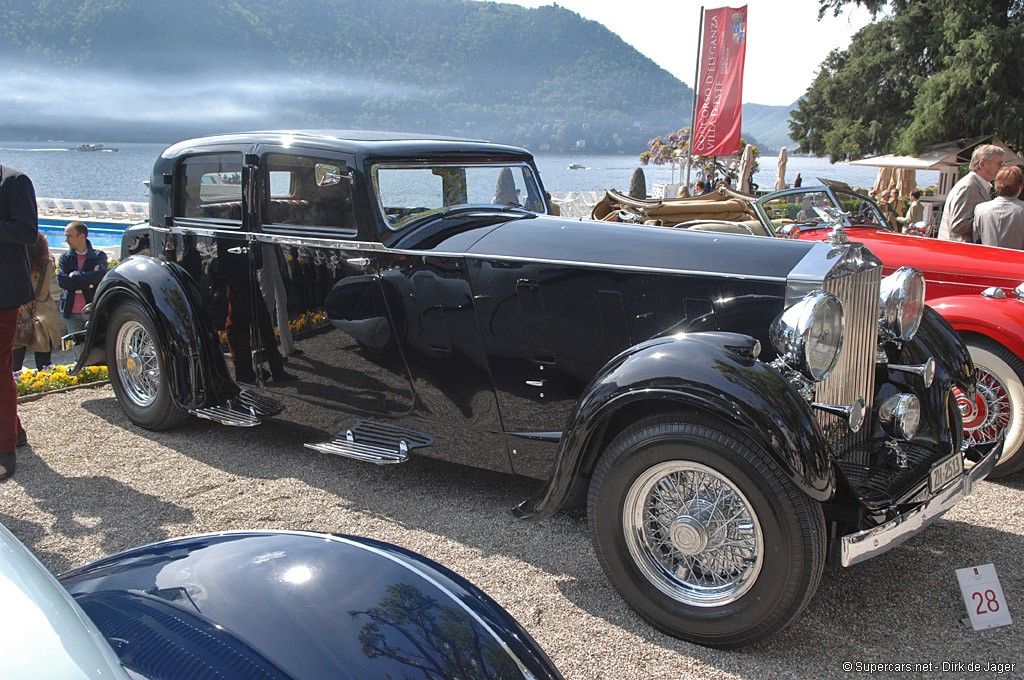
(730, 409)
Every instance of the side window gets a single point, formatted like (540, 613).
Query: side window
(307, 191)
(210, 187)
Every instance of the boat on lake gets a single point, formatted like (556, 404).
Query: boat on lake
(93, 147)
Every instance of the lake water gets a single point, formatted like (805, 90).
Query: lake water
(58, 172)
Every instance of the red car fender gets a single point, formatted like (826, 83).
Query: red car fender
(1001, 320)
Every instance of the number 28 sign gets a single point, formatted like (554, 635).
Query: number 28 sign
(983, 596)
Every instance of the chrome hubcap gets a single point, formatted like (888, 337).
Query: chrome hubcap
(136, 363)
(693, 533)
(989, 413)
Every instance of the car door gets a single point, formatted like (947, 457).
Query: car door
(324, 343)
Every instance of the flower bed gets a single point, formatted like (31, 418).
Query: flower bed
(29, 381)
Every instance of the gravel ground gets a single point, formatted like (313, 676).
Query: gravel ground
(92, 484)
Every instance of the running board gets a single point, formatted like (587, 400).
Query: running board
(262, 405)
(374, 443)
(227, 416)
(245, 410)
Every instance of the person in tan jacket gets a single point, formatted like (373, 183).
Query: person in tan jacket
(44, 308)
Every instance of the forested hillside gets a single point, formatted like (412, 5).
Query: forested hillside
(142, 69)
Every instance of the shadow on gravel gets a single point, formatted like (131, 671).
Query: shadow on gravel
(1014, 481)
(903, 605)
(90, 506)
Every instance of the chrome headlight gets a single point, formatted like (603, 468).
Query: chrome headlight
(901, 416)
(809, 335)
(901, 303)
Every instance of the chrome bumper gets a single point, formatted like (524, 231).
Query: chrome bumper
(866, 544)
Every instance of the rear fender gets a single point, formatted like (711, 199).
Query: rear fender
(714, 373)
(198, 373)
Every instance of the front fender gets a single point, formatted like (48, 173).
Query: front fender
(198, 373)
(715, 373)
(999, 319)
(937, 337)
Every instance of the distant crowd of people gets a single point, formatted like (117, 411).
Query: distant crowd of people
(30, 318)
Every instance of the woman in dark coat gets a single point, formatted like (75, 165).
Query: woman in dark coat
(19, 226)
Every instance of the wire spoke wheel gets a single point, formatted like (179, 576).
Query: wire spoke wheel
(693, 533)
(683, 509)
(137, 369)
(137, 364)
(988, 414)
(997, 410)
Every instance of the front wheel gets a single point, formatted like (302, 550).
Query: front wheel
(998, 406)
(137, 369)
(702, 534)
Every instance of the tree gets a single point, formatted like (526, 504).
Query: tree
(924, 71)
(638, 184)
(669, 148)
(675, 146)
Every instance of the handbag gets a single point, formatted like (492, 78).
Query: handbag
(25, 333)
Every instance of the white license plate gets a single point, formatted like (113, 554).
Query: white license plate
(945, 472)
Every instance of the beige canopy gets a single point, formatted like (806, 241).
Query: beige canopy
(906, 181)
(780, 174)
(746, 168)
(883, 181)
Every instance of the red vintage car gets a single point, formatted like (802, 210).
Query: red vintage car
(978, 289)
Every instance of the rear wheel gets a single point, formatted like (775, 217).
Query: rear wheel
(137, 368)
(702, 534)
(998, 406)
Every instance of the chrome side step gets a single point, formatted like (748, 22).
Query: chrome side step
(246, 410)
(227, 416)
(262, 405)
(375, 443)
(365, 452)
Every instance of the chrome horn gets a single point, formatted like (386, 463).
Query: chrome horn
(925, 370)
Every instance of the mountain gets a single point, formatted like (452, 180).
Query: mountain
(769, 126)
(141, 70)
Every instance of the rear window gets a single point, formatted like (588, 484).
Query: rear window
(210, 187)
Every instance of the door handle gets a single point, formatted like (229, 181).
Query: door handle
(239, 250)
(535, 383)
(360, 262)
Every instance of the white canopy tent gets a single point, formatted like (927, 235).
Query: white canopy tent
(945, 158)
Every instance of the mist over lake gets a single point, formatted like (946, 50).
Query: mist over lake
(58, 172)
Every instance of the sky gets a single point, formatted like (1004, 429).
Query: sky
(786, 42)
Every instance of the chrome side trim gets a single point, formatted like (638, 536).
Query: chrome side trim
(336, 244)
(602, 265)
(373, 246)
(869, 543)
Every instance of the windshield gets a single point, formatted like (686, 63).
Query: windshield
(408, 192)
(805, 207)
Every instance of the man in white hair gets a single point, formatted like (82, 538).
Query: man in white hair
(974, 188)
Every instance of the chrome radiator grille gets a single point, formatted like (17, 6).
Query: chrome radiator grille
(854, 374)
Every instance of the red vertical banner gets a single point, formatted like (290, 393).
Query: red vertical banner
(719, 87)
